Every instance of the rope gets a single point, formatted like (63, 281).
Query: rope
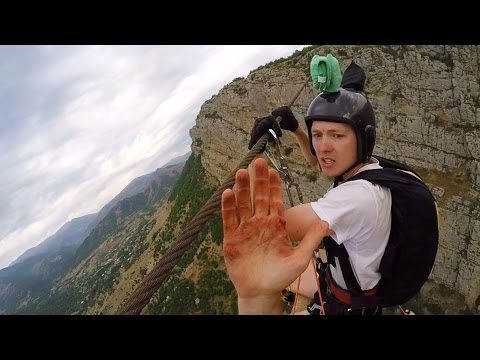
(150, 284)
(320, 298)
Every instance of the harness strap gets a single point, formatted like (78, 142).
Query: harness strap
(341, 294)
(338, 251)
(337, 301)
(355, 297)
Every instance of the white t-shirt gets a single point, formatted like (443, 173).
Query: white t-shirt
(359, 213)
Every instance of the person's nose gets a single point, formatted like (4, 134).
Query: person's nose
(324, 145)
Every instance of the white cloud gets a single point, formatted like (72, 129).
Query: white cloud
(80, 122)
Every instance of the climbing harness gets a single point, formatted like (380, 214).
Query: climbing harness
(330, 299)
(282, 168)
(410, 252)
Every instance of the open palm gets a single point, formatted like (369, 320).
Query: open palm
(259, 257)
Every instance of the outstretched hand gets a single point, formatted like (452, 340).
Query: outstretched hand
(260, 258)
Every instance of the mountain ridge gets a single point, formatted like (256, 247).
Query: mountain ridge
(70, 234)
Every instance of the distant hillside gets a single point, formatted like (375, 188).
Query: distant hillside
(32, 277)
(134, 187)
(140, 194)
(70, 234)
(179, 159)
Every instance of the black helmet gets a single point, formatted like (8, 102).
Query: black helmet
(346, 107)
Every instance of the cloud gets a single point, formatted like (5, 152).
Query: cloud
(80, 122)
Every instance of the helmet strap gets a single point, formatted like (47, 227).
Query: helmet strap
(347, 174)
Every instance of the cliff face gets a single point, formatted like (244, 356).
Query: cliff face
(427, 109)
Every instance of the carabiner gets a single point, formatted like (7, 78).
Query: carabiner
(283, 168)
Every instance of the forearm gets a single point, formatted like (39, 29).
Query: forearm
(260, 305)
(302, 139)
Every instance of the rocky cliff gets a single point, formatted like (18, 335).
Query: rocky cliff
(427, 110)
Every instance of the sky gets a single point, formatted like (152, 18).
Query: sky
(78, 123)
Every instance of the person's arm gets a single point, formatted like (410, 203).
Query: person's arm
(302, 140)
(299, 219)
(259, 256)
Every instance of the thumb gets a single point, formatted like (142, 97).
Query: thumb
(313, 238)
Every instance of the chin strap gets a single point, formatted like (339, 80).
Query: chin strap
(339, 178)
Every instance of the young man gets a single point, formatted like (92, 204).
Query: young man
(357, 214)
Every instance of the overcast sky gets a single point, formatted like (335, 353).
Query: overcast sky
(78, 123)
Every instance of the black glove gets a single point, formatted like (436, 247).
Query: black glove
(288, 121)
(261, 127)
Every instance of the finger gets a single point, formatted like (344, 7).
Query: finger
(242, 195)
(261, 191)
(313, 238)
(229, 212)
(251, 174)
(276, 199)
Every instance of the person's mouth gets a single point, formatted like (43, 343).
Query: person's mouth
(327, 162)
